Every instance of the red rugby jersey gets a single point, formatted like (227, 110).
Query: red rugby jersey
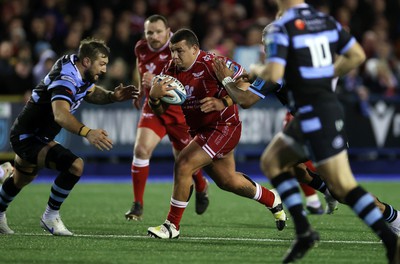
(153, 61)
(200, 81)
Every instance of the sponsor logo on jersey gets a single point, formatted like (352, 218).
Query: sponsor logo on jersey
(68, 79)
(198, 74)
(147, 115)
(189, 91)
(299, 24)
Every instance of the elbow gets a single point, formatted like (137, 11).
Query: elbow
(361, 57)
(59, 119)
(245, 103)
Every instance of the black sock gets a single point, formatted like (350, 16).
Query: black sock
(292, 199)
(390, 214)
(317, 183)
(8, 191)
(364, 206)
(61, 188)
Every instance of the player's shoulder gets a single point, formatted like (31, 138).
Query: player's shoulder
(141, 44)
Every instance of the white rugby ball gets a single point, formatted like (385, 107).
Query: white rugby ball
(178, 94)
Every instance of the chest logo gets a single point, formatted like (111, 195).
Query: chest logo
(198, 74)
(150, 67)
(163, 57)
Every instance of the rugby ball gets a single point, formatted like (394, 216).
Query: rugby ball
(178, 94)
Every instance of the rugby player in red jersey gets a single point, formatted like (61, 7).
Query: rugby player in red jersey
(152, 54)
(215, 133)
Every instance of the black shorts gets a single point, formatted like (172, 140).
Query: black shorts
(320, 129)
(28, 149)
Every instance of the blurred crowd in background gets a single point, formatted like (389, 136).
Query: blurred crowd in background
(34, 33)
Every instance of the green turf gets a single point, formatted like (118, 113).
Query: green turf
(233, 230)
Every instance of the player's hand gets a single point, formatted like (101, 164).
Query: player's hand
(210, 104)
(147, 79)
(122, 93)
(99, 138)
(220, 69)
(160, 88)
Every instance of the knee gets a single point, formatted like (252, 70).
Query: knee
(183, 167)
(142, 152)
(77, 167)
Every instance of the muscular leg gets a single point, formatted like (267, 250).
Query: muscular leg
(222, 171)
(337, 174)
(145, 143)
(191, 159)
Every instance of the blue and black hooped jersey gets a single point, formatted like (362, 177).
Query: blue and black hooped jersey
(63, 82)
(311, 40)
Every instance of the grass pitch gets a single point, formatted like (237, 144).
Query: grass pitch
(233, 229)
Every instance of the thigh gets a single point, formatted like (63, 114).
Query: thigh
(191, 159)
(179, 135)
(154, 123)
(218, 141)
(221, 170)
(281, 154)
(336, 173)
(146, 141)
(28, 149)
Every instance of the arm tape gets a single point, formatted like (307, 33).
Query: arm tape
(265, 87)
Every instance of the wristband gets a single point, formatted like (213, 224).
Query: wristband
(227, 101)
(265, 87)
(153, 99)
(84, 131)
(153, 104)
(227, 80)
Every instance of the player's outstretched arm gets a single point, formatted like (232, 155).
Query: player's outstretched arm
(237, 89)
(96, 137)
(99, 95)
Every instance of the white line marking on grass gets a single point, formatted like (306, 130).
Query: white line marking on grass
(207, 238)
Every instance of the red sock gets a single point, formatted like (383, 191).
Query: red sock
(310, 166)
(199, 181)
(139, 178)
(176, 210)
(308, 191)
(264, 196)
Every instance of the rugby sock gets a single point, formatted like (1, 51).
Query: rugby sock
(61, 188)
(139, 172)
(363, 205)
(200, 183)
(307, 190)
(176, 210)
(390, 214)
(310, 166)
(264, 196)
(8, 191)
(317, 183)
(289, 191)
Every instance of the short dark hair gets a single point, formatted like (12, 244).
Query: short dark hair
(91, 48)
(185, 34)
(155, 18)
